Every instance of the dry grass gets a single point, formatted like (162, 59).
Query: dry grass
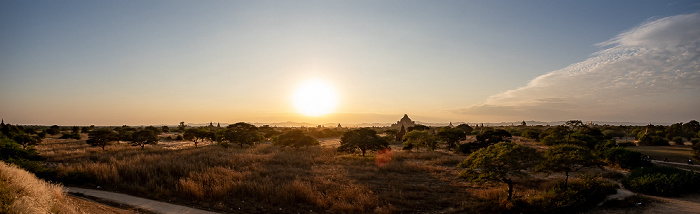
(266, 178)
(22, 192)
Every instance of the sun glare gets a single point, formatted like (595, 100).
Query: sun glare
(315, 98)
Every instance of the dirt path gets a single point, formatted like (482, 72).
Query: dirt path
(146, 204)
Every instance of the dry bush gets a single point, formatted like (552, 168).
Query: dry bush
(22, 192)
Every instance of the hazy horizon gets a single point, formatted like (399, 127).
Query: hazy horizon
(152, 62)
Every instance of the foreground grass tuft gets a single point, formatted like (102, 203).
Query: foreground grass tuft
(22, 192)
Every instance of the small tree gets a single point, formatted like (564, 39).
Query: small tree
(451, 136)
(242, 133)
(500, 162)
(53, 130)
(295, 138)
(420, 139)
(363, 139)
(143, 137)
(101, 137)
(196, 135)
(26, 140)
(465, 127)
(567, 159)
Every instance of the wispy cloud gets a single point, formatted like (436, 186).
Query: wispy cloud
(649, 73)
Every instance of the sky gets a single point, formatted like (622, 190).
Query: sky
(162, 62)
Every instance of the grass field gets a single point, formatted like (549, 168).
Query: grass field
(265, 178)
(674, 153)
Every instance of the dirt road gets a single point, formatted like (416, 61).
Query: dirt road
(146, 204)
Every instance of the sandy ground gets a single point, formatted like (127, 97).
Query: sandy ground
(142, 203)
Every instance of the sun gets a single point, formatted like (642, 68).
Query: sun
(315, 98)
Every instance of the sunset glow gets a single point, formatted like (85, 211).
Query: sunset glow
(315, 98)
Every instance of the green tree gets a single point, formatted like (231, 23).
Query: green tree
(419, 139)
(500, 162)
(196, 135)
(242, 134)
(451, 136)
(567, 159)
(465, 127)
(490, 137)
(295, 138)
(418, 127)
(143, 137)
(124, 133)
(363, 139)
(53, 130)
(268, 132)
(165, 129)
(390, 135)
(26, 140)
(101, 137)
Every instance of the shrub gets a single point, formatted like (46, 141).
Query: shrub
(625, 158)
(77, 177)
(626, 144)
(581, 194)
(695, 141)
(653, 140)
(70, 136)
(661, 180)
(463, 148)
(678, 140)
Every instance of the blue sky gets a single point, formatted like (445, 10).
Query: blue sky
(161, 62)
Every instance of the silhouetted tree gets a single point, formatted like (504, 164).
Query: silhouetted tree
(53, 130)
(363, 139)
(500, 162)
(242, 133)
(165, 129)
(466, 128)
(418, 127)
(101, 137)
(124, 133)
(196, 135)
(143, 137)
(295, 138)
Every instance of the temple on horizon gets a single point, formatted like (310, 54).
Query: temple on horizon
(405, 121)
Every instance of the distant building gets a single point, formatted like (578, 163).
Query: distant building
(451, 126)
(405, 122)
(339, 126)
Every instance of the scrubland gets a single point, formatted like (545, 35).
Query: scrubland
(265, 178)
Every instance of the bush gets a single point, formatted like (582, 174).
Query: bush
(678, 140)
(653, 140)
(626, 144)
(70, 136)
(625, 158)
(77, 177)
(661, 180)
(580, 195)
(463, 148)
(695, 141)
